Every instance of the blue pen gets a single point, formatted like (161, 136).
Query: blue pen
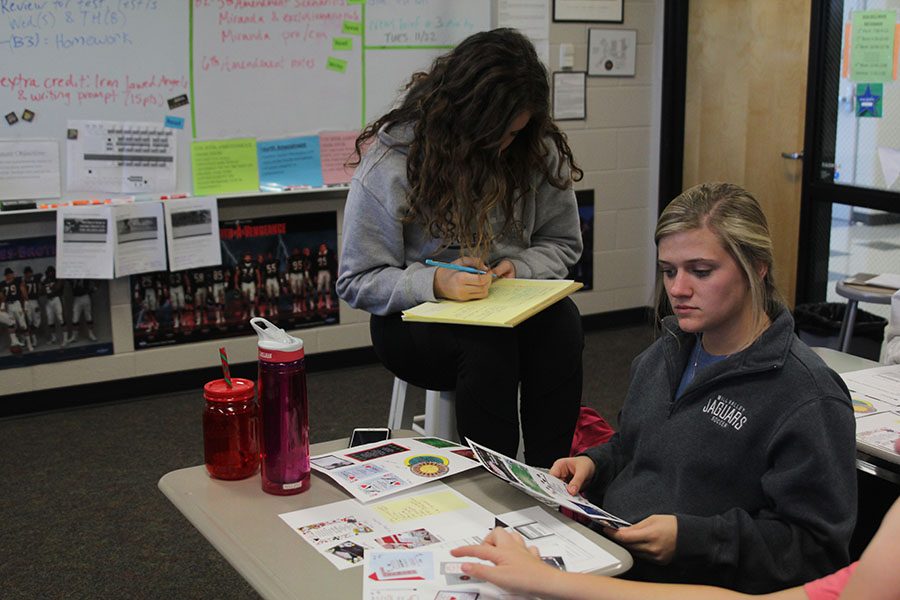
(463, 268)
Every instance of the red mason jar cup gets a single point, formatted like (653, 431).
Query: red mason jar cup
(230, 429)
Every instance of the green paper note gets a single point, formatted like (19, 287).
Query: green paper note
(872, 45)
(336, 64)
(352, 27)
(224, 166)
(342, 43)
(356, 1)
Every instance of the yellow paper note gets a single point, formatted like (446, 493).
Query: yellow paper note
(417, 507)
(509, 302)
(224, 166)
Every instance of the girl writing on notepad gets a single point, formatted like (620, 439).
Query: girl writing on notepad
(469, 168)
(735, 457)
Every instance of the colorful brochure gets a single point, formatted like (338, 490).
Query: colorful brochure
(539, 484)
(379, 469)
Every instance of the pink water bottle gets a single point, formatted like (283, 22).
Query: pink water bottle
(283, 411)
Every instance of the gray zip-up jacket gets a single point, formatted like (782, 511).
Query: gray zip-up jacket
(756, 459)
(382, 266)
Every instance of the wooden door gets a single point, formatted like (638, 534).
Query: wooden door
(745, 105)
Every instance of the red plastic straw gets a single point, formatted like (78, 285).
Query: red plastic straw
(225, 372)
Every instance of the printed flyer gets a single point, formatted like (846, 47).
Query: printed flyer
(541, 485)
(382, 468)
(432, 572)
(343, 531)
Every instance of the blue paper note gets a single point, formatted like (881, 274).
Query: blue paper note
(174, 122)
(290, 162)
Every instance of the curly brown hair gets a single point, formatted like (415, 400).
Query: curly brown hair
(459, 112)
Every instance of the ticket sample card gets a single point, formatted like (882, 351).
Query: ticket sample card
(382, 468)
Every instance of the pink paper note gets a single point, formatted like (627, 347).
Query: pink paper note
(336, 148)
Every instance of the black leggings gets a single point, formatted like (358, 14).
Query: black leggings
(485, 365)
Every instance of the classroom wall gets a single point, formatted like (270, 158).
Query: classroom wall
(617, 146)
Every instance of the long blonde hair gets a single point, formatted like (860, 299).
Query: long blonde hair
(734, 216)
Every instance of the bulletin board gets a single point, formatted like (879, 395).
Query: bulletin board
(866, 123)
(290, 67)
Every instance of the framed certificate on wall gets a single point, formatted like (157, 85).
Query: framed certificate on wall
(611, 52)
(590, 11)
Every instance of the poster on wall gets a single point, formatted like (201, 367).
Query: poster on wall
(583, 270)
(45, 319)
(281, 268)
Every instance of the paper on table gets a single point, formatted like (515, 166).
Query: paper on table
(879, 430)
(29, 169)
(886, 280)
(383, 468)
(344, 531)
(192, 233)
(123, 157)
(432, 572)
(84, 242)
(140, 238)
(878, 383)
(509, 302)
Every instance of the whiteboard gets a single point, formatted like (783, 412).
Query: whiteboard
(249, 69)
(265, 72)
(120, 62)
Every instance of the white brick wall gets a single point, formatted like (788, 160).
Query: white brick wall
(618, 147)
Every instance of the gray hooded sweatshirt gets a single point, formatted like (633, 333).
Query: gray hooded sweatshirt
(756, 459)
(382, 267)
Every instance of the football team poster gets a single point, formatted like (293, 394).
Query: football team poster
(44, 319)
(280, 268)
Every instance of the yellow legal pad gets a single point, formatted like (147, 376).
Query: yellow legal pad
(509, 302)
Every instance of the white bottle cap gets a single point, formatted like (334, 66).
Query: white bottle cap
(275, 344)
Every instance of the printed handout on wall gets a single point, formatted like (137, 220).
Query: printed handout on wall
(280, 268)
(44, 318)
(140, 239)
(123, 157)
(192, 239)
(84, 242)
